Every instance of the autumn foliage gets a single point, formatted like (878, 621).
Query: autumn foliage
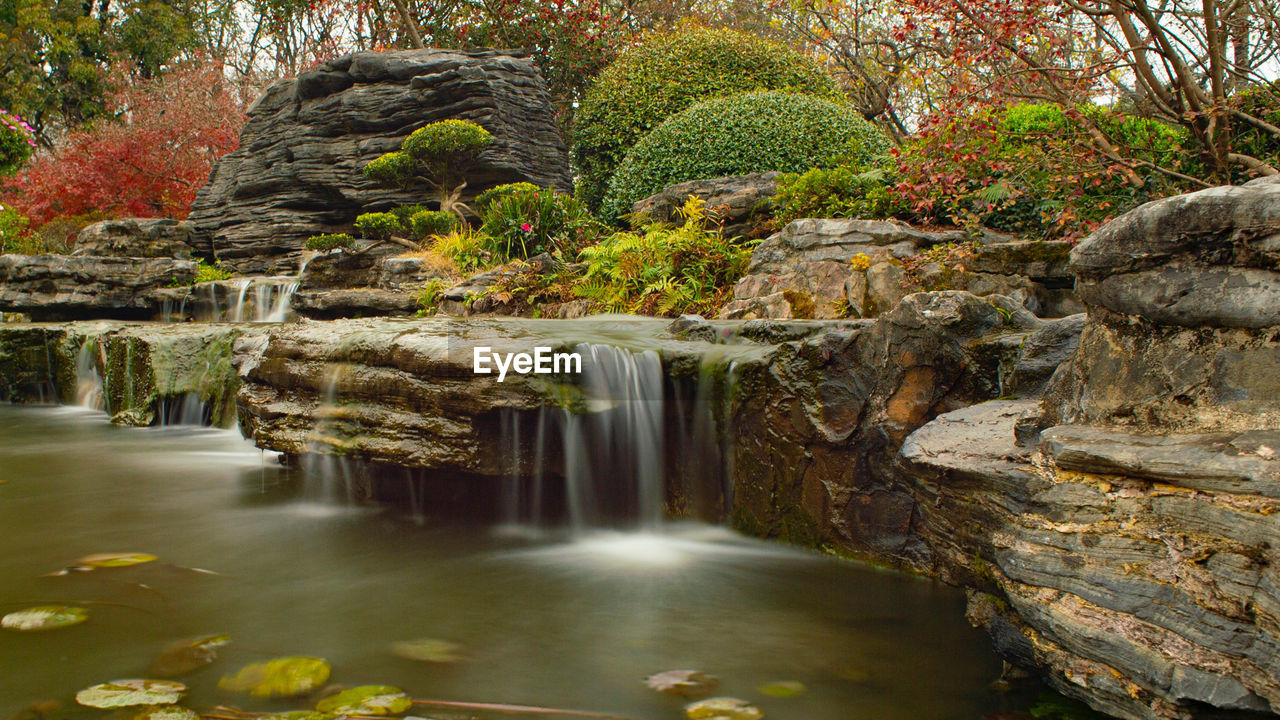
(146, 160)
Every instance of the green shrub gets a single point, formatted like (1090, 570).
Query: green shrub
(1262, 102)
(664, 270)
(845, 191)
(327, 242)
(465, 248)
(396, 169)
(209, 273)
(379, 226)
(405, 213)
(498, 191)
(439, 154)
(522, 223)
(747, 133)
(427, 223)
(667, 74)
(17, 142)
(15, 235)
(446, 141)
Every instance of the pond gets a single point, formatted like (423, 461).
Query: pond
(539, 619)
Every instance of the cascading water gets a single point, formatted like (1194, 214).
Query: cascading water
(90, 392)
(331, 477)
(266, 299)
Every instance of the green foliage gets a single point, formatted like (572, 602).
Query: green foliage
(395, 169)
(667, 74)
(845, 191)
(664, 270)
(747, 133)
(15, 234)
(379, 226)
(17, 142)
(443, 140)
(465, 248)
(209, 273)
(1262, 102)
(484, 199)
(429, 298)
(278, 678)
(427, 223)
(405, 213)
(521, 223)
(330, 241)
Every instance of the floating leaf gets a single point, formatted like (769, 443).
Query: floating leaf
(782, 688)
(187, 655)
(722, 708)
(282, 677)
(367, 700)
(428, 650)
(125, 693)
(684, 683)
(165, 712)
(299, 715)
(44, 617)
(113, 560)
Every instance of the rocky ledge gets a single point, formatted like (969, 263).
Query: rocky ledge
(65, 287)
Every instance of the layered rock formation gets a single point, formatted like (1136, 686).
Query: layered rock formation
(297, 171)
(137, 373)
(739, 203)
(860, 268)
(61, 287)
(1121, 535)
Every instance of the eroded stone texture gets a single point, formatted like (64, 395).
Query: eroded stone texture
(738, 202)
(298, 169)
(1138, 572)
(60, 287)
(138, 238)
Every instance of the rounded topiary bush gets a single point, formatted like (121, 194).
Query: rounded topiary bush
(427, 223)
(747, 133)
(667, 74)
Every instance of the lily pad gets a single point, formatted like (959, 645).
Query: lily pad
(44, 617)
(428, 650)
(722, 708)
(165, 712)
(282, 677)
(299, 715)
(126, 693)
(187, 655)
(367, 700)
(113, 560)
(782, 688)
(683, 683)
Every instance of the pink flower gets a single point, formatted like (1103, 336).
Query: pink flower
(526, 227)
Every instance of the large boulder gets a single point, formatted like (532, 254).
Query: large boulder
(1184, 316)
(64, 287)
(137, 237)
(298, 169)
(739, 203)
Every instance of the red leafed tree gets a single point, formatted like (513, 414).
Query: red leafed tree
(147, 160)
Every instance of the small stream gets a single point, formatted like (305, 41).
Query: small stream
(541, 620)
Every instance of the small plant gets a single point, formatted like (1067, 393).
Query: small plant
(521, 223)
(328, 242)
(429, 298)
(15, 236)
(664, 270)
(860, 262)
(437, 154)
(379, 226)
(465, 248)
(429, 223)
(406, 212)
(17, 142)
(484, 199)
(210, 273)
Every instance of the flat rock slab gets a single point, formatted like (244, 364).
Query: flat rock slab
(1246, 463)
(297, 171)
(63, 287)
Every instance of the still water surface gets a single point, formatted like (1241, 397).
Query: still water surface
(542, 621)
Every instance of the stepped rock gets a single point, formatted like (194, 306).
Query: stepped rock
(61, 287)
(298, 169)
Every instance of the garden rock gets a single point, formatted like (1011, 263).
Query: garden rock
(298, 171)
(739, 202)
(137, 237)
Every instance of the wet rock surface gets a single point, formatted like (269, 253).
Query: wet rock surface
(298, 169)
(61, 287)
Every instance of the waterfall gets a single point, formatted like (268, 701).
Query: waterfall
(185, 409)
(331, 478)
(256, 299)
(90, 392)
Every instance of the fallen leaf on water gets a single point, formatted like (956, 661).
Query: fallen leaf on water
(124, 693)
(104, 560)
(185, 656)
(782, 688)
(44, 617)
(428, 650)
(684, 683)
(722, 708)
(367, 700)
(282, 677)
